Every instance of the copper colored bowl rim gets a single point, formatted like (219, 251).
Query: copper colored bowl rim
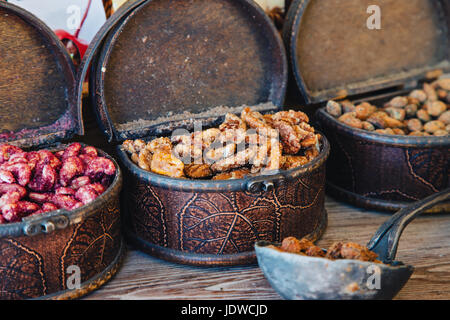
(384, 139)
(191, 185)
(15, 229)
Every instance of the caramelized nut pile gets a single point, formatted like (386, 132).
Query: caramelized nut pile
(41, 181)
(250, 144)
(338, 250)
(423, 112)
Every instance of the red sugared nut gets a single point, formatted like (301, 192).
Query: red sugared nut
(12, 187)
(72, 167)
(16, 211)
(46, 157)
(72, 150)
(41, 181)
(40, 197)
(44, 178)
(86, 194)
(79, 182)
(65, 202)
(90, 151)
(99, 167)
(21, 171)
(7, 150)
(65, 190)
(6, 176)
(8, 198)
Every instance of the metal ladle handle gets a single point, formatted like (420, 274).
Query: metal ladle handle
(385, 240)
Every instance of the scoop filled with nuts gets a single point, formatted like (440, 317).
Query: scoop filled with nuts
(298, 269)
(42, 181)
(423, 112)
(247, 145)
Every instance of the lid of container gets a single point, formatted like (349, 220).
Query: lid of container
(175, 61)
(336, 49)
(37, 82)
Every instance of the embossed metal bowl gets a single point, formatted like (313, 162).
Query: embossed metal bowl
(208, 223)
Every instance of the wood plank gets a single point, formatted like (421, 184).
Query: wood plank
(424, 244)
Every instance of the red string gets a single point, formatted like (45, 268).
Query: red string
(84, 18)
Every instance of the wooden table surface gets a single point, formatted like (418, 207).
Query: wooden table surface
(425, 244)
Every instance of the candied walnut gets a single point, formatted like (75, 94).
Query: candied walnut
(162, 143)
(289, 138)
(232, 122)
(294, 245)
(292, 117)
(254, 119)
(312, 153)
(144, 159)
(235, 174)
(215, 154)
(294, 162)
(315, 251)
(275, 159)
(364, 110)
(237, 160)
(355, 251)
(350, 119)
(443, 84)
(167, 164)
(72, 167)
(334, 108)
(232, 136)
(197, 171)
(334, 252)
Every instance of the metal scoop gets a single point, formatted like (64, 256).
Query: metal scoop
(296, 276)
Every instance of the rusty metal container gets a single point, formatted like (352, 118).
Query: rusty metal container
(39, 110)
(334, 54)
(160, 65)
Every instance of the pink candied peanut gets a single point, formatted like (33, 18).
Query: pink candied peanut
(21, 171)
(86, 194)
(90, 151)
(80, 181)
(44, 178)
(6, 176)
(98, 167)
(16, 211)
(65, 190)
(72, 150)
(12, 187)
(66, 202)
(72, 167)
(8, 198)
